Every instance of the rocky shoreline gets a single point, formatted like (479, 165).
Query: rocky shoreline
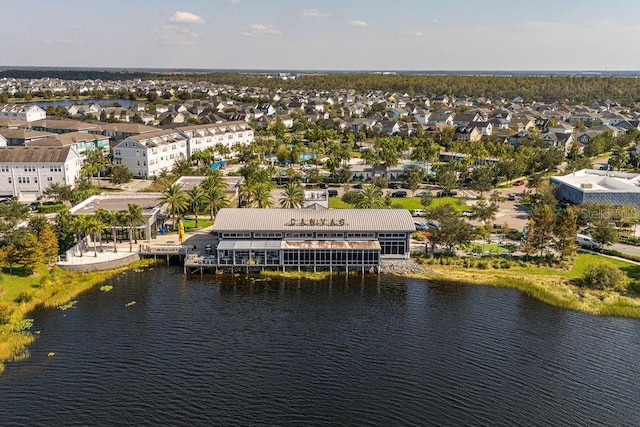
(402, 267)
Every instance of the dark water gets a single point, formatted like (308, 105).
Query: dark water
(383, 351)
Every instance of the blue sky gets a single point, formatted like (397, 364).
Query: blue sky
(323, 34)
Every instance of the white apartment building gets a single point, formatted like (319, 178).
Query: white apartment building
(29, 113)
(201, 137)
(148, 154)
(26, 172)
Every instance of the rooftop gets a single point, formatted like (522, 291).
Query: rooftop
(592, 180)
(392, 220)
(149, 202)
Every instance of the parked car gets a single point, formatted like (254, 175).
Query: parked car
(421, 226)
(399, 194)
(447, 193)
(518, 183)
(394, 185)
(467, 213)
(358, 186)
(606, 168)
(323, 185)
(511, 197)
(418, 212)
(332, 193)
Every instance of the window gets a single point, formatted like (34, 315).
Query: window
(49, 178)
(266, 235)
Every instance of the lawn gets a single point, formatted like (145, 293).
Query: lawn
(190, 224)
(409, 203)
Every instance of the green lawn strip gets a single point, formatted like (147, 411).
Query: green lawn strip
(190, 224)
(409, 203)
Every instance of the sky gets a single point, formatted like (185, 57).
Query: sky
(323, 34)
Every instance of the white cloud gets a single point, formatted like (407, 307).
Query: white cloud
(234, 1)
(173, 34)
(315, 13)
(186, 18)
(358, 23)
(262, 30)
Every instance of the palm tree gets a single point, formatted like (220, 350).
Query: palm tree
(133, 216)
(93, 226)
(215, 200)
(196, 198)
(79, 228)
(175, 199)
(213, 179)
(370, 198)
(293, 196)
(262, 196)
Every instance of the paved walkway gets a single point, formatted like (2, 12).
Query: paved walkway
(195, 241)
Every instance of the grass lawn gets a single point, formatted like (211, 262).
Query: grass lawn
(190, 224)
(409, 203)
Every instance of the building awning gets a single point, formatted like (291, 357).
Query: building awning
(261, 245)
(249, 245)
(331, 244)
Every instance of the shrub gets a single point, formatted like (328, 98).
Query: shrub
(604, 277)
(23, 297)
(51, 208)
(483, 264)
(5, 314)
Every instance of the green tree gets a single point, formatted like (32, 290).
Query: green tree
(485, 212)
(49, 243)
(93, 226)
(134, 217)
(175, 199)
(446, 178)
(482, 179)
(262, 196)
(292, 196)
(369, 198)
(540, 230)
(197, 199)
(30, 253)
(426, 199)
(414, 177)
(452, 229)
(216, 200)
(120, 174)
(603, 232)
(604, 277)
(619, 157)
(565, 230)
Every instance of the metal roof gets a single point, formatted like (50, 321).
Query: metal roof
(253, 245)
(296, 220)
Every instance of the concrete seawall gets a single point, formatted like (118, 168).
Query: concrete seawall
(86, 267)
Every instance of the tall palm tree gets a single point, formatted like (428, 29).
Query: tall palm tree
(293, 196)
(133, 216)
(175, 199)
(216, 200)
(93, 226)
(262, 196)
(196, 198)
(79, 228)
(370, 198)
(213, 179)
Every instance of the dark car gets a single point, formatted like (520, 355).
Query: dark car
(394, 185)
(358, 186)
(323, 185)
(332, 193)
(446, 193)
(399, 194)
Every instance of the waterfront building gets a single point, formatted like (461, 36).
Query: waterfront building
(327, 239)
(153, 213)
(26, 172)
(599, 186)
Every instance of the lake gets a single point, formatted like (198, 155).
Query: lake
(223, 350)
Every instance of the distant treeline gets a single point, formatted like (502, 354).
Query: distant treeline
(541, 88)
(73, 74)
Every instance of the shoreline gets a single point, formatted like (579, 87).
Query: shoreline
(54, 288)
(60, 286)
(553, 290)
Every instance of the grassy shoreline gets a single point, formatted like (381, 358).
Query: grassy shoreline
(46, 289)
(555, 290)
